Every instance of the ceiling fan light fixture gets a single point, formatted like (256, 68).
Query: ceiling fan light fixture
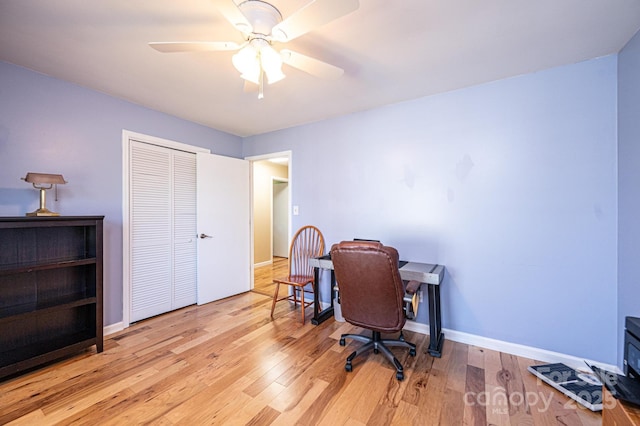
(262, 24)
(271, 63)
(246, 59)
(253, 78)
(274, 76)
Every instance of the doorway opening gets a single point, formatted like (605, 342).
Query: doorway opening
(271, 209)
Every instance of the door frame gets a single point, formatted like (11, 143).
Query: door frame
(127, 137)
(289, 155)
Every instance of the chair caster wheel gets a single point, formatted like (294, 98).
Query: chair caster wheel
(342, 342)
(375, 351)
(348, 367)
(400, 376)
(412, 352)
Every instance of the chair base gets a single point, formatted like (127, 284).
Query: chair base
(378, 344)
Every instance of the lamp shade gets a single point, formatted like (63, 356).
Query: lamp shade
(271, 62)
(246, 61)
(44, 178)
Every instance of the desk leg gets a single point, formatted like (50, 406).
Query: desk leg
(436, 338)
(321, 316)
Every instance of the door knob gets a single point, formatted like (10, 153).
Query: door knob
(203, 236)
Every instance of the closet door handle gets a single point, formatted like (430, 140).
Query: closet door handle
(203, 236)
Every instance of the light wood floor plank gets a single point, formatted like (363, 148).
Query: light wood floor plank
(152, 404)
(254, 410)
(294, 405)
(511, 379)
(33, 418)
(474, 414)
(495, 397)
(405, 415)
(72, 404)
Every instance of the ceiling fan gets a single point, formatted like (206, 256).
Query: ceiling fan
(262, 25)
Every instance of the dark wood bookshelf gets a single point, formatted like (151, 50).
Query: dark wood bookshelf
(50, 289)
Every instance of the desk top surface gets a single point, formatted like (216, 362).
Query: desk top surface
(424, 272)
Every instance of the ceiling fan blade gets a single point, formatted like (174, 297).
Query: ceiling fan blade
(234, 15)
(193, 46)
(311, 16)
(310, 65)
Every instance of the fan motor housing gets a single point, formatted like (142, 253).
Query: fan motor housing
(262, 15)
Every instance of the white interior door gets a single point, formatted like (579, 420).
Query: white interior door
(162, 229)
(151, 224)
(184, 229)
(223, 219)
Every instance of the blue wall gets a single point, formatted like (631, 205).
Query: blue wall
(628, 184)
(50, 126)
(511, 185)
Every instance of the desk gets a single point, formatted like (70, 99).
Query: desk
(423, 272)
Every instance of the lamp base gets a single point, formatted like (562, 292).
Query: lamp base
(43, 212)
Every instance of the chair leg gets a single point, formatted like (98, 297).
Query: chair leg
(358, 337)
(295, 298)
(275, 298)
(303, 301)
(360, 350)
(402, 344)
(297, 292)
(302, 307)
(389, 355)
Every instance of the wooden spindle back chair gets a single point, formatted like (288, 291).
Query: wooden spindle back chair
(308, 242)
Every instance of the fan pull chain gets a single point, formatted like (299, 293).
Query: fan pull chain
(261, 89)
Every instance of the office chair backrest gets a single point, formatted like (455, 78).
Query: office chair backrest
(308, 242)
(371, 290)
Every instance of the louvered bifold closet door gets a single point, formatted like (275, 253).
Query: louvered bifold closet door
(184, 219)
(162, 230)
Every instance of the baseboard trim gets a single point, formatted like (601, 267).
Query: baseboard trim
(113, 328)
(511, 348)
(265, 263)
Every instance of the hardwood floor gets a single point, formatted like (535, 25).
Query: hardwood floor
(264, 275)
(227, 362)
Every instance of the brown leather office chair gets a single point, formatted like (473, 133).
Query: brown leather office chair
(371, 296)
(308, 242)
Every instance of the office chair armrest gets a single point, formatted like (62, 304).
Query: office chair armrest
(413, 286)
(411, 299)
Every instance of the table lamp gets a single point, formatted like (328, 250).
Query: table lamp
(43, 181)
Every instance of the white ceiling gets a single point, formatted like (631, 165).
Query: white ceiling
(391, 51)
